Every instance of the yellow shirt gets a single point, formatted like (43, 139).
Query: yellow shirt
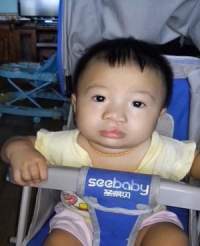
(61, 148)
(166, 156)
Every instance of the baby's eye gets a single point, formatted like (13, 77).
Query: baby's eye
(98, 98)
(138, 104)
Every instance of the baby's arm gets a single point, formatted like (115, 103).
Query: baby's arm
(28, 166)
(195, 169)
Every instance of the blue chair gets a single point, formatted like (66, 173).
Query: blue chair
(33, 90)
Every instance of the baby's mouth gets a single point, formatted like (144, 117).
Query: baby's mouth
(116, 134)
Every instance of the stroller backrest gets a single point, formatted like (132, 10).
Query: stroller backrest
(175, 123)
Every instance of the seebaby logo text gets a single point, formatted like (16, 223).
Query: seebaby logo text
(115, 184)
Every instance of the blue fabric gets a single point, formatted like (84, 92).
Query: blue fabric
(115, 228)
(117, 189)
(40, 237)
(180, 100)
(112, 189)
(60, 66)
(183, 215)
(179, 108)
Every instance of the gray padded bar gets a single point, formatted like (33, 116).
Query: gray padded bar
(62, 178)
(170, 193)
(179, 194)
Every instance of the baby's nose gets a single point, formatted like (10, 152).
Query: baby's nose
(116, 113)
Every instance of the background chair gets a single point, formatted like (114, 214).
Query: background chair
(33, 90)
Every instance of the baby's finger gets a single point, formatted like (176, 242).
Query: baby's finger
(26, 176)
(16, 177)
(43, 169)
(34, 172)
(34, 183)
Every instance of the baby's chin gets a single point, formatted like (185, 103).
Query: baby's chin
(112, 146)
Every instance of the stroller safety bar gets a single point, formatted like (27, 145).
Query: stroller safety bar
(177, 194)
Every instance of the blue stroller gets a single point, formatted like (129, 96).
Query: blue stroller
(181, 122)
(175, 123)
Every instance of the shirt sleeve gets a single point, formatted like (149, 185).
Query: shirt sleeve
(61, 148)
(168, 158)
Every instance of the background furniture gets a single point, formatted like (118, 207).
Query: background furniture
(26, 41)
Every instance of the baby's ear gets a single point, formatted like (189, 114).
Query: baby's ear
(163, 111)
(73, 100)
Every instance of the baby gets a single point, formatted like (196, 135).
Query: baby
(121, 88)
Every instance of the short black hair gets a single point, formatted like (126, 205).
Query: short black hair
(120, 51)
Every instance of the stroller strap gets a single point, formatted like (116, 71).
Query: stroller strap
(118, 202)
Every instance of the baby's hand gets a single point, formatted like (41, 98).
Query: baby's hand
(30, 169)
(28, 166)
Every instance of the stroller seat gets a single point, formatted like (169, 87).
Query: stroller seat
(178, 118)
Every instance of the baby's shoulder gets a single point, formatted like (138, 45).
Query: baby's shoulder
(177, 147)
(45, 138)
(43, 133)
(169, 158)
(169, 141)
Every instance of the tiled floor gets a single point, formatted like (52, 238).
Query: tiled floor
(9, 193)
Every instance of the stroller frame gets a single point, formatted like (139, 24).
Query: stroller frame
(22, 239)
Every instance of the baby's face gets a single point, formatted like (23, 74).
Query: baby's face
(118, 107)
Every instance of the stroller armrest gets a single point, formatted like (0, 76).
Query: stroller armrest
(177, 194)
(62, 178)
